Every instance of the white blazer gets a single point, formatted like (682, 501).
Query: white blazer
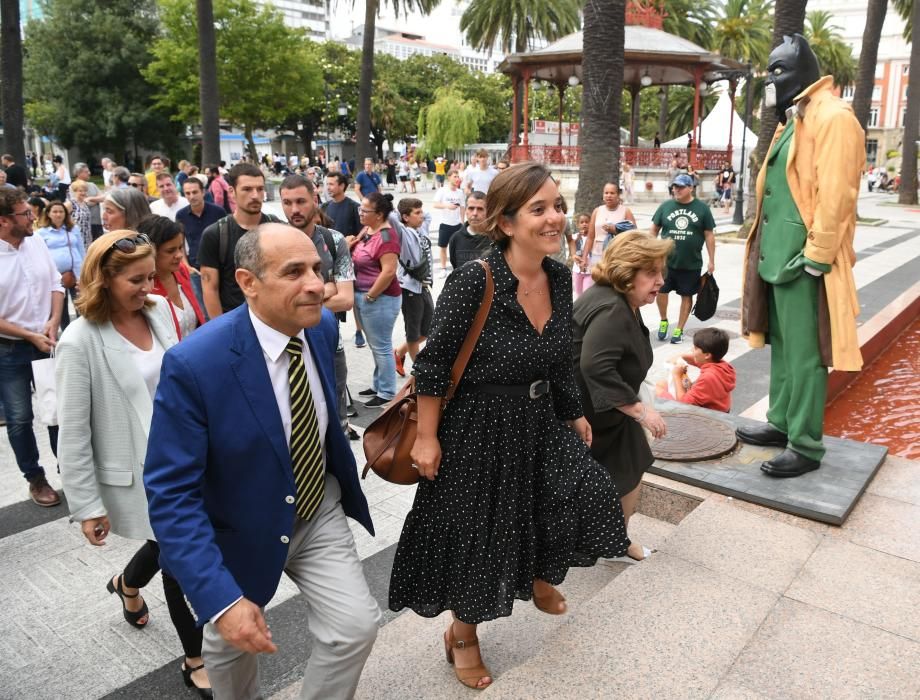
(104, 413)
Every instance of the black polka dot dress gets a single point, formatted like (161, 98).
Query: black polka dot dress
(518, 495)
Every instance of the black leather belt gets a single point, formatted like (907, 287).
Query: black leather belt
(534, 390)
(12, 341)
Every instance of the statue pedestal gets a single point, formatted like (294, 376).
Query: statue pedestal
(827, 495)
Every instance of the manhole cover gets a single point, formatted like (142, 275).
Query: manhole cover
(692, 438)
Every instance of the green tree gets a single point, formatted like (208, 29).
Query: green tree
(744, 31)
(362, 136)
(208, 91)
(514, 27)
(493, 92)
(11, 87)
(835, 57)
(261, 86)
(449, 123)
(83, 82)
(602, 78)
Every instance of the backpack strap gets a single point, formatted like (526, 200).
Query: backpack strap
(223, 233)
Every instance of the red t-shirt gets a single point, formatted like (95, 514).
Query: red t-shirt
(713, 388)
(366, 258)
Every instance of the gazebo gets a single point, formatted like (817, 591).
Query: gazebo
(652, 57)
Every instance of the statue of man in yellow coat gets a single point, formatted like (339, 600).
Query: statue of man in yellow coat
(799, 293)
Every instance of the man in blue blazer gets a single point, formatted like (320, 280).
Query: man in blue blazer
(223, 500)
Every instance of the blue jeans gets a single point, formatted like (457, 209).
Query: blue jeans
(16, 397)
(199, 295)
(378, 319)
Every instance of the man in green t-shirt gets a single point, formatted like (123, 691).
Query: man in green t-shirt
(688, 222)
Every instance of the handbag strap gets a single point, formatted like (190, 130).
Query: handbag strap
(472, 336)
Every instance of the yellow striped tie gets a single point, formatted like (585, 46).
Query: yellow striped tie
(306, 450)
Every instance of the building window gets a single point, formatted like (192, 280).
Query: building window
(871, 151)
(873, 116)
(848, 92)
(905, 69)
(904, 113)
(876, 93)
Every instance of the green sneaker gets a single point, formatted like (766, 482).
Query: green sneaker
(678, 336)
(663, 330)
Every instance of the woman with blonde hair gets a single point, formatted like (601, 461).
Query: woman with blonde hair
(79, 210)
(108, 366)
(510, 497)
(612, 354)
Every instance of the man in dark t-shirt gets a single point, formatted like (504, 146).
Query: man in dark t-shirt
(16, 175)
(218, 271)
(468, 243)
(342, 210)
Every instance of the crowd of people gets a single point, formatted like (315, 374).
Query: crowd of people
(203, 403)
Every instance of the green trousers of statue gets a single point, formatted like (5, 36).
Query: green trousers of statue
(798, 380)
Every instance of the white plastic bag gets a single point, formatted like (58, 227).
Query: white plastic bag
(45, 390)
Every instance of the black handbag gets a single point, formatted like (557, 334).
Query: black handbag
(707, 299)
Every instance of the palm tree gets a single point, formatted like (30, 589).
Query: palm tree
(868, 57)
(208, 95)
(11, 86)
(908, 191)
(743, 32)
(514, 27)
(692, 20)
(834, 55)
(363, 147)
(602, 77)
(789, 19)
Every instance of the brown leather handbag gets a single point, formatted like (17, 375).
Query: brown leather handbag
(389, 439)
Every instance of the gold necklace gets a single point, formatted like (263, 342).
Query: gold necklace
(526, 291)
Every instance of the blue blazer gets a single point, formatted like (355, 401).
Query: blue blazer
(218, 469)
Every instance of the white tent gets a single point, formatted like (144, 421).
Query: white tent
(714, 132)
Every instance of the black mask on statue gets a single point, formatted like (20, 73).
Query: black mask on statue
(791, 67)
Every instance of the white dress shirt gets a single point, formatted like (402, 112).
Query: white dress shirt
(28, 276)
(161, 208)
(276, 360)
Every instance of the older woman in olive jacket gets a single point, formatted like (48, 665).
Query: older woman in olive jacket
(612, 355)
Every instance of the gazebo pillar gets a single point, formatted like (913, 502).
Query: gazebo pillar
(634, 116)
(526, 76)
(561, 88)
(732, 86)
(697, 77)
(515, 113)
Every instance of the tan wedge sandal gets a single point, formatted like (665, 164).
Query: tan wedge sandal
(470, 677)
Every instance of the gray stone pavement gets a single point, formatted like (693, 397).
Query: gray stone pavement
(62, 636)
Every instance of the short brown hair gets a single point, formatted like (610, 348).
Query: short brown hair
(509, 191)
(9, 198)
(482, 153)
(629, 253)
(101, 265)
(45, 220)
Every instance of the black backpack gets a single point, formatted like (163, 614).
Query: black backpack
(223, 234)
(707, 299)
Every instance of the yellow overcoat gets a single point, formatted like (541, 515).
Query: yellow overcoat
(824, 167)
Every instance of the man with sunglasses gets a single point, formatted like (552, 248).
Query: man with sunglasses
(31, 300)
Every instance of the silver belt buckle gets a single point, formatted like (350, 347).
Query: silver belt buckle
(532, 393)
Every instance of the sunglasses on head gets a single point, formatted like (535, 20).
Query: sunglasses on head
(128, 245)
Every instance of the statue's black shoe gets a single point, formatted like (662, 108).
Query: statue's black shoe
(765, 435)
(789, 463)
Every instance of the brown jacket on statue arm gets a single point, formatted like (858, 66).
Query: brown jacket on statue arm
(826, 159)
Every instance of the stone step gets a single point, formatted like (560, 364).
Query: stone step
(408, 658)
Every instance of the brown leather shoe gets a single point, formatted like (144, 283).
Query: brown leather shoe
(42, 493)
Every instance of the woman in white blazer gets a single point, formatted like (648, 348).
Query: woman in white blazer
(108, 366)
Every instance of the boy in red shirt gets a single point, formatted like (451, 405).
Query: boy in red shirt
(717, 378)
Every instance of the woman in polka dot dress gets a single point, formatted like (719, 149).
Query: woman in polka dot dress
(510, 497)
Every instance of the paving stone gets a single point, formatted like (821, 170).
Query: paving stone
(864, 585)
(803, 652)
(886, 525)
(898, 479)
(733, 542)
(735, 691)
(665, 628)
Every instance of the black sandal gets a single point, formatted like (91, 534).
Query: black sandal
(187, 672)
(131, 617)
